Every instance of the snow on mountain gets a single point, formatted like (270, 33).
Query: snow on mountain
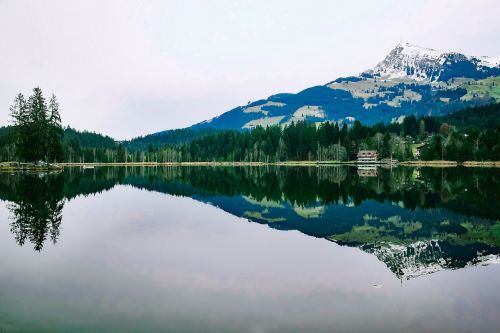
(488, 61)
(401, 84)
(407, 60)
(427, 257)
(417, 63)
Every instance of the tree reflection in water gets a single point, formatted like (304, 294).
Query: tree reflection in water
(36, 208)
(417, 221)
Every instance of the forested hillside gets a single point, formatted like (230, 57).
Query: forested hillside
(459, 137)
(435, 136)
(470, 134)
(480, 118)
(85, 139)
(170, 137)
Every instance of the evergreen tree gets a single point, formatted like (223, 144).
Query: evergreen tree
(20, 115)
(55, 132)
(410, 125)
(421, 128)
(37, 149)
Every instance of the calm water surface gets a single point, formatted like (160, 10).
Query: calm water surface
(250, 250)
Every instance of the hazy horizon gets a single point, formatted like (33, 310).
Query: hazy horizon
(127, 69)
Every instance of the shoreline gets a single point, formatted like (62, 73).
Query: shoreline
(296, 163)
(14, 166)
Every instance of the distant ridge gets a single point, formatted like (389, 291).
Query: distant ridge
(410, 80)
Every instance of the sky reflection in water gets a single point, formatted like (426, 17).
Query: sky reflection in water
(99, 254)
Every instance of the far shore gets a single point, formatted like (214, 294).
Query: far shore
(13, 166)
(295, 163)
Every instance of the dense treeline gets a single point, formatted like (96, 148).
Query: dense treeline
(462, 136)
(89, 147)
(470, 134)
(297, 141)
(170, 137)
(481, 117)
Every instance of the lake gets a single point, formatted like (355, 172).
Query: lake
(250, 249)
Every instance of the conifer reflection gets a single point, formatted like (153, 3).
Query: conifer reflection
(36, 208)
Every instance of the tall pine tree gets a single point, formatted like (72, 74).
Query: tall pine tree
(55, 132)
(38, 125)
(20, 114)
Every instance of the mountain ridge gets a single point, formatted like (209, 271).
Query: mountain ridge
(409, 80)
(426, 64)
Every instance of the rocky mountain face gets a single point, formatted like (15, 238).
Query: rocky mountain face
(407, 61)
(431, 256)
(410, 80)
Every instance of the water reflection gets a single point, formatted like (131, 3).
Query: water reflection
(36, 203)
(417, 221)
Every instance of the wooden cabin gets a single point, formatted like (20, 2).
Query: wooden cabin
(367, 156)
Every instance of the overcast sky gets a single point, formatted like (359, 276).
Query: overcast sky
(127, 68)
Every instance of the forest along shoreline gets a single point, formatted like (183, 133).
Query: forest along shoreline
(14, 166)
(36, 141)
(296, 163)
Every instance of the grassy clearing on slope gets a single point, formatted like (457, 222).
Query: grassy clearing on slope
(264, 122)
(489, 87)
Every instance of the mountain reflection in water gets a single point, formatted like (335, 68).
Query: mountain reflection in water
(417, 221)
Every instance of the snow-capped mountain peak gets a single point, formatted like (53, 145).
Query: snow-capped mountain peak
(401, 84)
(409, 61)
(412, 51)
